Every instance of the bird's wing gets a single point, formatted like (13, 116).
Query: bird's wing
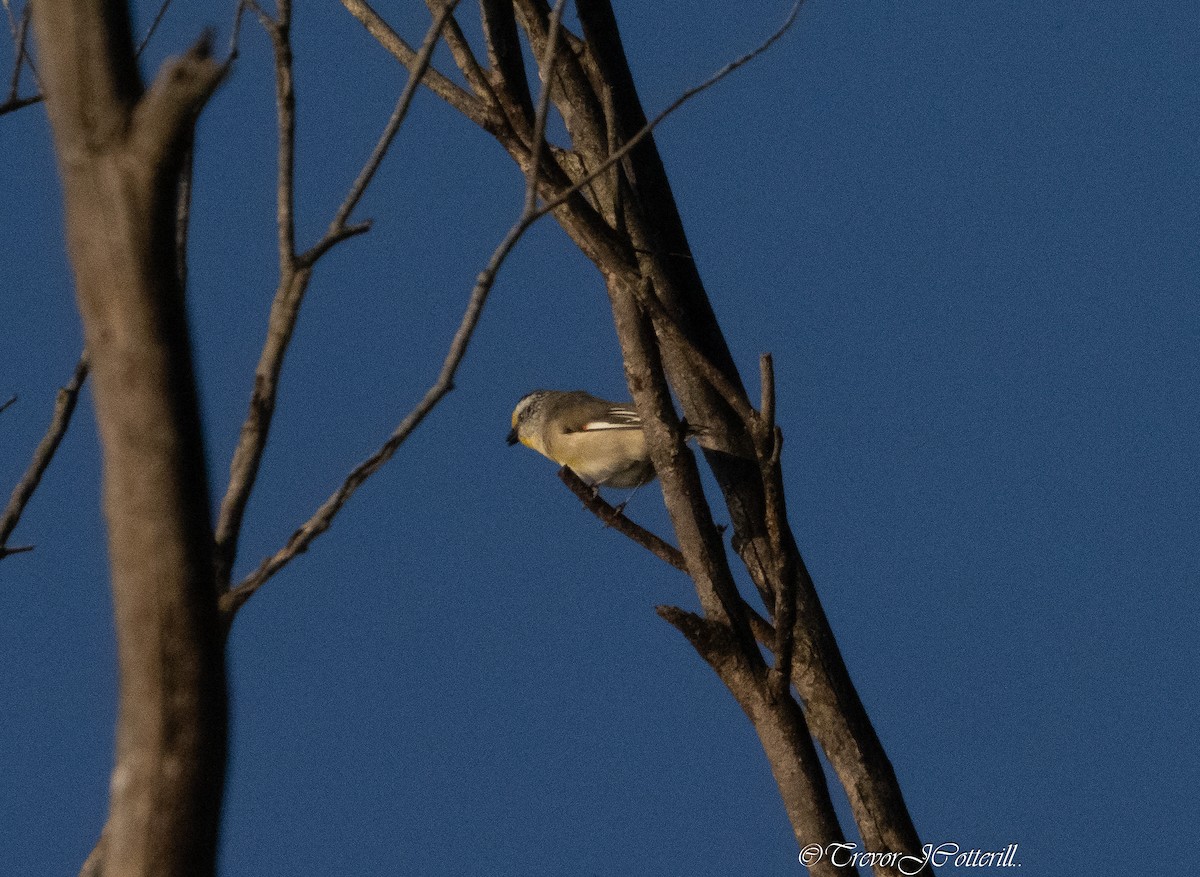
(612, 417)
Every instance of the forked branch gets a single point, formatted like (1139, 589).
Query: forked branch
(296, 272)
(323, 518)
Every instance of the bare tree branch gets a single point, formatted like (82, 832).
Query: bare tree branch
(782, 730)
(615, 518)
(666, 324)
(507, 62)
(464, 56)
(4, 406)
(19, 31)
(595, 236)
(465, 102)
(162, 11)
(322, 519)
(632, 142)
(337, 228)
(295, 273)
(577, 102)
(11, 106)
(64, 407)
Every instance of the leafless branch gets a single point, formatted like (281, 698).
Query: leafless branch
(338, 230)
(664, 323)
(506, 60)
(4, 407)
(463, 101)
(11, 106)
(464, 56)
(64, 407)
(615, 518)
(576, 99)
(538, 142)
(19, 30)
(686, 96)
(766, 368)
(295, 271)
(322, 519)
(162, 10)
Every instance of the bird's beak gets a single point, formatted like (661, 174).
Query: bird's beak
(512, 436)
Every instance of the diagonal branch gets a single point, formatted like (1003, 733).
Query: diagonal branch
(663, 322)
(444, 383)
(64, 407)
(162, 11)
(642, 133)
(463, 101)
(338, 230)
(615, 518)
(295, 274)
(577, 102)
(20, 30)
(322, 519)
(464, 56)
(506, 60)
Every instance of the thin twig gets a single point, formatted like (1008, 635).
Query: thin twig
(281, 321)
(464, 57)
(295, 273)
(338, 231)
(19, 30)
(6, 404)
(322, 519)
(19, 37)
(11, 106)
(611, 517)
(64, 407)
(162, 10)
(561, 197)
(12, 20)
(550, 56)
(449, 91)
(235, 37)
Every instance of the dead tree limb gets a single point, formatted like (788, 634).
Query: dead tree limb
(323, 517)
(295, 273)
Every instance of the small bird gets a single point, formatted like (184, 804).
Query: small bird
(600, 441)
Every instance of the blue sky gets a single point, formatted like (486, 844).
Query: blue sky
(968, 234)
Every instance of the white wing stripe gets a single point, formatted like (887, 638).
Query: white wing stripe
(608, 424)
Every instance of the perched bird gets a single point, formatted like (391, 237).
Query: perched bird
(600, 441)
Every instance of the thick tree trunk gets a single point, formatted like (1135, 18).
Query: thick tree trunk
(120, 152)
